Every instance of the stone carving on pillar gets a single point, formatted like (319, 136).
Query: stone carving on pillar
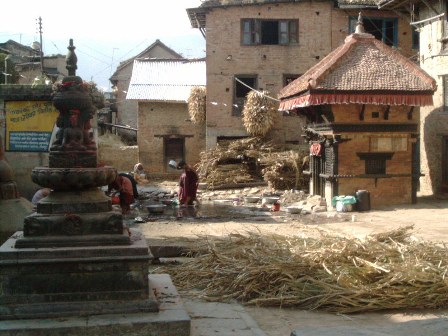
(74, 257)
(76, 207)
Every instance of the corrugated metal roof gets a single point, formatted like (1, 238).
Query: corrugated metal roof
(165, 80)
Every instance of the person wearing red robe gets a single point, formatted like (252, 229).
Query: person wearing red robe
(188, 184)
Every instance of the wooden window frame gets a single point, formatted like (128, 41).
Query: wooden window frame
(252, 32)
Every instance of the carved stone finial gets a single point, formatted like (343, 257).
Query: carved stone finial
(359, 25)
(71, 59)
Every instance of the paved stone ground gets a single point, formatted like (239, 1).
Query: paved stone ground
(430, 220)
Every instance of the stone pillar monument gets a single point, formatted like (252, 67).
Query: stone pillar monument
(73, 257)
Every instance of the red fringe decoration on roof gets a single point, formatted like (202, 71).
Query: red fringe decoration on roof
(349, 98)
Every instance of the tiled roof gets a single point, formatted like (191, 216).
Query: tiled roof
(358, 3)
(362, 64)
(165, 80)
(142, 53)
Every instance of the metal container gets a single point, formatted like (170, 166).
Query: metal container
(251, 199)
(270, 199)
(156, 208)
(172, 164)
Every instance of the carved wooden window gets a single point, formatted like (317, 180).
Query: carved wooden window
(375, 163)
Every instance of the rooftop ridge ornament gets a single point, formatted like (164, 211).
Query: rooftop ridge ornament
(360, 25)
(71, 59)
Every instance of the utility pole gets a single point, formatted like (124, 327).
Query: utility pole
(112, 64)
(39, 22)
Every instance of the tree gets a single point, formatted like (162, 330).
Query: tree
(13, 77)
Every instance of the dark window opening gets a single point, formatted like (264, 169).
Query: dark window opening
(384, 29)
(174, 150)
(269, 32)
(288, 78)
(375, 163)
(415, 38)
(241, 92)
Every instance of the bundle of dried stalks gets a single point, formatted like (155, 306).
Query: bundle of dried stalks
(197, 104)
(332, 273)
(243, 155)
(283, 170)
(259, 113)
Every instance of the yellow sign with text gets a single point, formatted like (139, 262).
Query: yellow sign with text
(29, 125)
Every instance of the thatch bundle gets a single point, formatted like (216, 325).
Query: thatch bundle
(283, 170)
(259, 113)
(332, 273)
(197, 104)
(234, 162)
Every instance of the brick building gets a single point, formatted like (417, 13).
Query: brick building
(161, 89)
(361, 108)
(127, 109)
(266, 44)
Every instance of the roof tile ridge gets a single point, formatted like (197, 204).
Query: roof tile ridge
(411, 66)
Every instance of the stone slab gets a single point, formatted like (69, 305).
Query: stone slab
(61, 282)
(171, 320)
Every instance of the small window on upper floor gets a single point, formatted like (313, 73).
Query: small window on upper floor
(415, 38)
(384, 29)
(288, 78)
(243, 85)
(269, 32)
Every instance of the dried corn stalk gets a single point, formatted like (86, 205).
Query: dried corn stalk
(259, 113)
(331, 273)
(197, 104)
(282, 170)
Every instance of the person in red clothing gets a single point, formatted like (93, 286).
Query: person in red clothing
(188, 184)
(123, 186)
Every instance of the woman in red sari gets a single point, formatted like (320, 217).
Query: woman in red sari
(188, 184)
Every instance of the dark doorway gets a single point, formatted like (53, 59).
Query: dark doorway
(174, 150)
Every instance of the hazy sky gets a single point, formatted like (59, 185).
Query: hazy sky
(104, 32)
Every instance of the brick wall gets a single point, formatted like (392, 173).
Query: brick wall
(321, 29)
(383, 190)
(166, 119)
(434, 119)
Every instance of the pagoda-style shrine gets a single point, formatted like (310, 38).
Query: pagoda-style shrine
(361, 103)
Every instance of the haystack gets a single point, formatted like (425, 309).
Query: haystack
(259, 113)
(234, 162)
(391, 270)
(197, 104)
(282, 170)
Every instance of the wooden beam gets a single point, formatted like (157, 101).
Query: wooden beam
(361, 113)
(386, 113)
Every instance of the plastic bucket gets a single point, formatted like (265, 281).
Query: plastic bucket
(363, 200)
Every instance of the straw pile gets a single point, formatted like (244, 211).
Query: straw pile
(234, 162)
(283, 170)
(331, 273)
(259, 113)
(197, 104)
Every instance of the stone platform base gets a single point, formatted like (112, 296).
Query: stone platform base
(74, 281)
(170, 320)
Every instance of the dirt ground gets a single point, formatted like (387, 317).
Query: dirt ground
(429, 217)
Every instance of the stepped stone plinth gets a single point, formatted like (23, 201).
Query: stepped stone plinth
(74, 257)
